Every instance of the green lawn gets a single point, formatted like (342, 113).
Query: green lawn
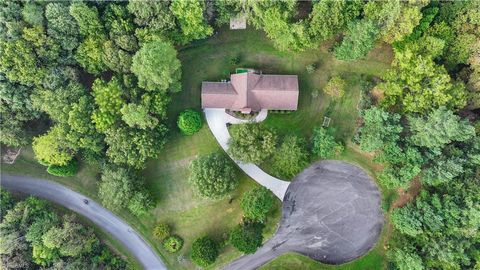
(167, 176)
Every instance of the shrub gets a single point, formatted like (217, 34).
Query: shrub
(204, 251)
(247, 237)
(251, 142)
(141, 202)
(173, 243)
(324, 144)
(335, 87)
(291, 157)
(161, 231)
(257, 202)
(67, 170)
(310, 68)
(189, 122)
(212, 176)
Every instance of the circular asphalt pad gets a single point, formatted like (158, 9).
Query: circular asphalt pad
(331, 213)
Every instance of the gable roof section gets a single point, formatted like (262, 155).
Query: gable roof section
(252, 91)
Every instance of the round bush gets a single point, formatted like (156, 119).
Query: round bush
(257, 202)
(161, 231)
(204, 251)
(247, 237)
(189, 122)
(173, 243)
(67, 170)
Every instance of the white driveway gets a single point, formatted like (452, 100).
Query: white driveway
(217, 120)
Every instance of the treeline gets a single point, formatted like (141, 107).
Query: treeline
(32, 236)
(423, 126)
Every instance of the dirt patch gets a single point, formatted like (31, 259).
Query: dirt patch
(404, 197)
(9, 155)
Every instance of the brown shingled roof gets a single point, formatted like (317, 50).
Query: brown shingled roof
(252, 91)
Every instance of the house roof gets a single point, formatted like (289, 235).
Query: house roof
(252, 91)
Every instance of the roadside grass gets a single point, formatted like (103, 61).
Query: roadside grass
(167, 176)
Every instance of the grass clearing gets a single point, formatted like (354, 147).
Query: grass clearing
(166, 177)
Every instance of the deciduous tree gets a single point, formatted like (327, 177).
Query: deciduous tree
(251, 142)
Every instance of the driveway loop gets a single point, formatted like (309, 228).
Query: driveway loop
(331, 213)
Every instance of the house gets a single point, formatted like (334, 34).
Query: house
(249, 91)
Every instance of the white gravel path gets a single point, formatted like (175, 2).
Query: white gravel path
(217, 120)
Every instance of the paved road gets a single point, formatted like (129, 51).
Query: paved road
(331, 213)
(96, 213)
(217, 120)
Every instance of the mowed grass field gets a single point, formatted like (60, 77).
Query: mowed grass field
(167, 176)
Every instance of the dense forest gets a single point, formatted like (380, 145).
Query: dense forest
(35, 236)
(91, 82)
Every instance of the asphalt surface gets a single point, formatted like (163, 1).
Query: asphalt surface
(102, 217)
(331, 213)
(217, 120)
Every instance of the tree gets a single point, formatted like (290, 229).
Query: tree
(358, 41)
(19, 63)
(32, 13)
(335, 87)
(395, 19)
(212, 176)
(82, 132)
(132, 147)
(417, 84)
(251, 142)
(87, 18)
(116, 187)
(61, 26)
(256, 203)
(155, 15)
(173, 243)
(46, 49)
(247, 237)
(439, 128)
(406, 259)
(120, 26)
(204, 251)
(89, 54)
(291, 157)
(162, 231)
(189, 122)
(108, 98)
(379, 128)
(137, 116)
(6, 202)
(189, 15)
(330, 17)
(141, 202)
(71, 239)
(324, 144)
(115, 58)
(157, 67)
(52, 148)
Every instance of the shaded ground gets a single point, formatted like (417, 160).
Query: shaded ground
(331, 213)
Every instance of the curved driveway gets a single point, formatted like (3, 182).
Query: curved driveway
(217, 120)
(331, 213)
(102, 217)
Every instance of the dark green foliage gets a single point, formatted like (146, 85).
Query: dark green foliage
(247, 237)
(204, 251)
(61, 26)
(141, 202)
(67, 170)
(189, 122)
(358, 41)
(251, 142)
(256, 203)
(213, 176)
(379, 128)
(291, 157)
(324, 144)
(6, 202)
(33, 236)
(173, 243)
(162, 231)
